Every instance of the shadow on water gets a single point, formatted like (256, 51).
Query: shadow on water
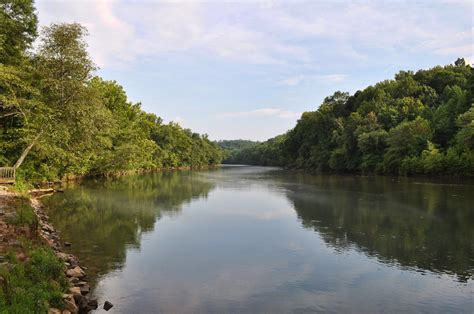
(104, 218)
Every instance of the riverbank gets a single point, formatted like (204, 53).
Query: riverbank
(36, 274)
(46, 185)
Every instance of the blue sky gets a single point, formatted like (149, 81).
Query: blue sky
(248, 69)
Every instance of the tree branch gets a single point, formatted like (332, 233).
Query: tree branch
(26, 151)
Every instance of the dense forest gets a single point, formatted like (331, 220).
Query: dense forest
(66, 120)
(417, 123)
(233, 148)
(57, 118)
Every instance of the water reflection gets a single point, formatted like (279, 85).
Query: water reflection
(249, 239)
(424, 225)
(104, 218)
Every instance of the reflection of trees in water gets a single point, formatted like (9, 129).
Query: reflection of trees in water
(102, 218)
(427, 226)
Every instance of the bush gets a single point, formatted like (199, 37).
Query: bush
(432, 160)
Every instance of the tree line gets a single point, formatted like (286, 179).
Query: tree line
(233, 148)
(66, 120)
(419, 123)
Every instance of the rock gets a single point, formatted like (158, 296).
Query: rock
(73, 280)
(87, 306)
(72, 260)
(21, 257)
(93, 304)
(67, 243)
(108, 305)
(11, 216)
(63, 256)
(48, 228)
(79, 299)
(80, 283)
(15, 243)
(66, 312)
(75, 290)
(52, 310)
(85, 289)
(70, 305)
(76, 272)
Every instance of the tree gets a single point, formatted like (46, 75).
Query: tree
(407, 139)
(22, 115)
(18, 23)
(465, 136)
(60, 120)
(454, 102)
(129, 144)
(81, 122)
(20, 111)
(460, 62)
(417, 123)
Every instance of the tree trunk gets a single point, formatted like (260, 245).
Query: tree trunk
(25, 152)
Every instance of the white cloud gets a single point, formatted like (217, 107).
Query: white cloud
(292, 81)
(333, 78)
(121, 32)
(328, 78)
(275, 112)
(258, 33)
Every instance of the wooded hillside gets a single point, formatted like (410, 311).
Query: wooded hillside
(75, 122)
(417, 123)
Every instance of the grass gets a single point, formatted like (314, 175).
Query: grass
(34, 285)
(25, 215)
(21, 186)
(37, 281)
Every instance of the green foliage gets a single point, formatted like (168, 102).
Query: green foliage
(24, 215)
(77, 124)
(22, 186)
(18, 23)
(268, 153)
(418, 123)
(233, 149)
(407, 139)
(34, 285)
(465, 135)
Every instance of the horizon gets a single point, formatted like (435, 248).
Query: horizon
(233, 67)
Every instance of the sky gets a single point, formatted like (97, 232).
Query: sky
(248, 69)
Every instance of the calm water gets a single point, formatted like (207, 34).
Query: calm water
(250, 239)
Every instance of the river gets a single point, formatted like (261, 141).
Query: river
(253, 239)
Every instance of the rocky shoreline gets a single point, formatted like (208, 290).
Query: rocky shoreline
(77, 298)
